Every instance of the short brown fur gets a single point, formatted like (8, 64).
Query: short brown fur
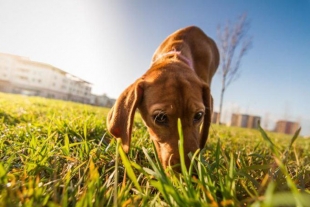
(176, 85)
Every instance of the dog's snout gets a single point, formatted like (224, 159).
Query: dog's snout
(169, 153)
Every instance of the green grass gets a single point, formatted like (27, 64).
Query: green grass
(55, 153)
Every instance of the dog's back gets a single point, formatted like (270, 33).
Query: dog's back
(195, 45)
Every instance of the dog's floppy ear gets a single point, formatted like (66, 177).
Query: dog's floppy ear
(120, 117)
(208, 102)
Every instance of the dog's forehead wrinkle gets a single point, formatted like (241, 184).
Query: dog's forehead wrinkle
(170, 95)
(169, 69)
(166, 108)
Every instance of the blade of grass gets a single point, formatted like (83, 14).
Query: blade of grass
(161, 184)
(160, 174)
(271, 145)
(129, 169)
(296, 134)
(285, 156)
(181, 149)
(193, 164)
(115, 203)
(160, 167)
(188, 189)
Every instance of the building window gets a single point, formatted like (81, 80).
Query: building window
(51, 95)
(24, 70)
(23, 77)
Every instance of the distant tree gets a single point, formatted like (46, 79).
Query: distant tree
(233, 43)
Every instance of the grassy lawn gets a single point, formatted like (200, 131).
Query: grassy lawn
(56, 153)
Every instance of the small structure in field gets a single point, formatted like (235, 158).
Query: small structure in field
(286, 127)
(245, 120)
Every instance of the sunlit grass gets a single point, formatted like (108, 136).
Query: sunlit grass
(55, 153)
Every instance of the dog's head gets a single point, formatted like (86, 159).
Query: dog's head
(164, 94)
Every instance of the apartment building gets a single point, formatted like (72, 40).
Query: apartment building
(102, 100)
(286, 127)
(24, 76)
(215, 117)
(245, 120)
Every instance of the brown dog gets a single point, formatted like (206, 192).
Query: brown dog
(176, 86)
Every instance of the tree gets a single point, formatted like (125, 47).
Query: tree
(233, 44)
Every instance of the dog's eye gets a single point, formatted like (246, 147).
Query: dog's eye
(198, 116)
(161, 118)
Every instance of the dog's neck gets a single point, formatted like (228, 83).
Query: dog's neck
(175, 53)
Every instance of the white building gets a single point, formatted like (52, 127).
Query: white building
(102, 100)
(23, 76)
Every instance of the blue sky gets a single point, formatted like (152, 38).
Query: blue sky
(110, 44)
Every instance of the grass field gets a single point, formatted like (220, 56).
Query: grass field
(55, 153)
